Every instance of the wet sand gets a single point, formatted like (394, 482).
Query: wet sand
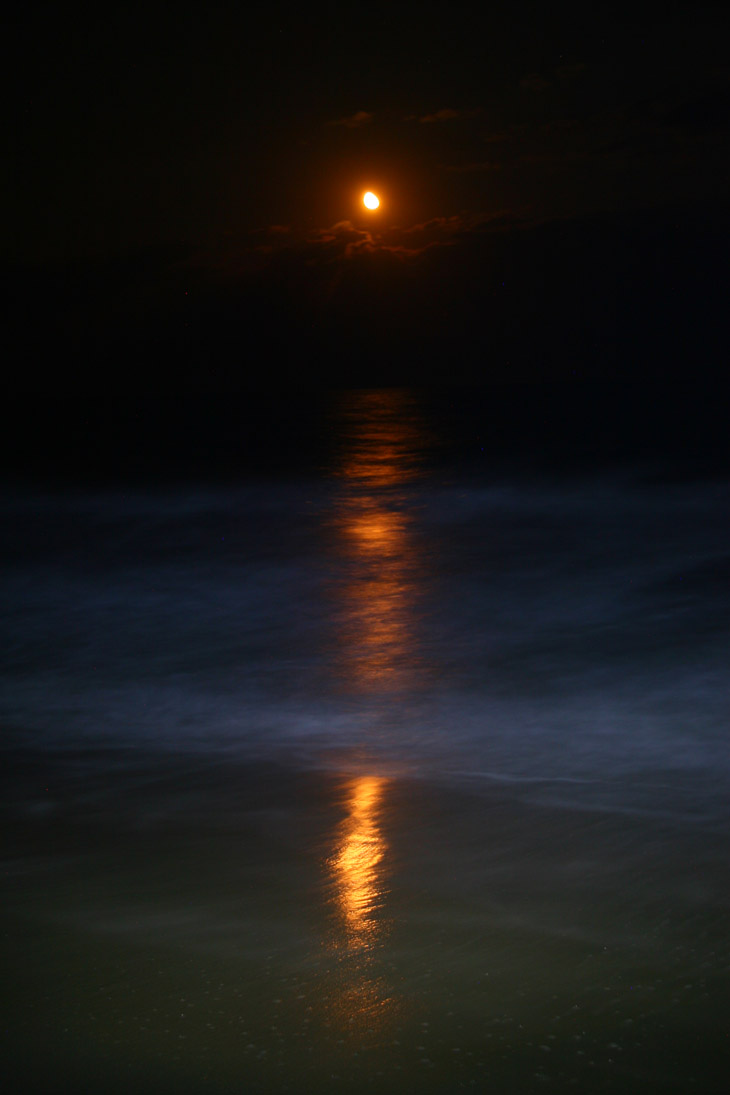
(193, 924)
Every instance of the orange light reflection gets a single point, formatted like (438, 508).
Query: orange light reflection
(356, 865)
(377, 596)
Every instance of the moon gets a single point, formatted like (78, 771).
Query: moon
(370, 200)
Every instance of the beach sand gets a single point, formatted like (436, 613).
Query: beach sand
(206, 924)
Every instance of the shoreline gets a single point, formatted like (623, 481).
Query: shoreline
(359, 930)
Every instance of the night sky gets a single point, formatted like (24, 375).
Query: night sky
(186, 194)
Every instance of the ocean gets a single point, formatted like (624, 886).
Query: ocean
(380, 758)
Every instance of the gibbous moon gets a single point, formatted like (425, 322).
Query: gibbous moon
(371, 200)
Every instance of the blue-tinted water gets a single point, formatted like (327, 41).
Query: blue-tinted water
(545, 652)
(434, 617)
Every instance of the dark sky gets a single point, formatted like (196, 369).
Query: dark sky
(139, 125)
(181, 172)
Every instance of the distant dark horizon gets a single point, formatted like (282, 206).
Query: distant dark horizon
(634, 298)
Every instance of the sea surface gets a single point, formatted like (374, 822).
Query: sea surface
(393, 763)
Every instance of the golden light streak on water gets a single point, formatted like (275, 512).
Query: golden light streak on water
(361, 1001)
(385, 439)
(376, 574)
(382, 451)
(377, 626)
(356, 865)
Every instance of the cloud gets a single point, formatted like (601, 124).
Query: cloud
(344, 241)
(506, 220)
(341, 231)
(534, 82)
(320, 256)
(353, 121)
(437, 232)
(446, 114)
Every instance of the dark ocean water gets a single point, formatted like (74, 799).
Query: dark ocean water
(399, 762)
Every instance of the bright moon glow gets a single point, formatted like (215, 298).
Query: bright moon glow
(371, 200)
